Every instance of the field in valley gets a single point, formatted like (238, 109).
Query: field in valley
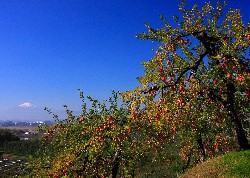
(31, 129)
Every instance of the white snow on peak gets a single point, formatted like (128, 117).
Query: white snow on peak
(26, 105)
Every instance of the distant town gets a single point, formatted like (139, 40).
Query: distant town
(24, 123)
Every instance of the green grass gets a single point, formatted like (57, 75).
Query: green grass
(234, 164)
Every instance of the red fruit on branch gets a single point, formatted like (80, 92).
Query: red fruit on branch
(163, 79)
(181, 88)
(173, 47)
(81, 119)
(102, 143)
(168, 62)
(65, 172)
(55, 176)
(239, 78)
(248, 37)
(248, 93)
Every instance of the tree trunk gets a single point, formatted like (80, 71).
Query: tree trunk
(240, 133)
(115, 165)
(187, 163)
(201, 146)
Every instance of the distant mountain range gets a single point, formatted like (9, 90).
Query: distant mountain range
(24, 123)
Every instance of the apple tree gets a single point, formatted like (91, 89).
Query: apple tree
(103, 141)
(194, 94)
(196, 89)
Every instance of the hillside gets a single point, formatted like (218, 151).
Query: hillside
(235, 164)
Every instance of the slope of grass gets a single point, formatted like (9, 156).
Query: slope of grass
(235, 164)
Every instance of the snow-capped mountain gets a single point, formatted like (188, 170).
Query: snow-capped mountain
(28, 111)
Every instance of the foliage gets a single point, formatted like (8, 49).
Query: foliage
(167, 164)
(104, 140)
(235, 164)
(6, 136)
(28, 147)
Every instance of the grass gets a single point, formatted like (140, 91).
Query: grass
(234, 164)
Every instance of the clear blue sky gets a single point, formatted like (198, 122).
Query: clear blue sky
(50, 48)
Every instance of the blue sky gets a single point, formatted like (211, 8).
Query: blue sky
(50, 48)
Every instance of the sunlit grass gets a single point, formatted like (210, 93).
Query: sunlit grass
(235, 164)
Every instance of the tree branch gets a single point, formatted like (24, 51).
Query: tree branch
(185, 70)
(209, 45)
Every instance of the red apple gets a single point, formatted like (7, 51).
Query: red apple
(248, 93)
(65, 172)
(81, 119)
(181, 88)
(248, 37)
(239, 79)
(102, 143)
(55, 176)
(173, 47)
